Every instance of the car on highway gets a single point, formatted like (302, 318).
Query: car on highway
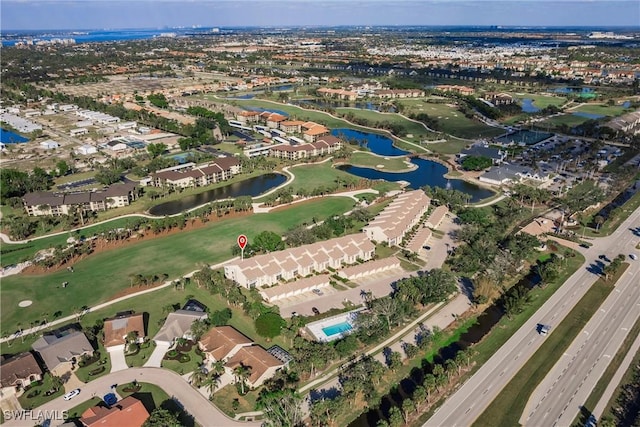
(543, 329)
(71, 394)
(633, 256)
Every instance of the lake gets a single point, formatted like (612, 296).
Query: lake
(249, 187)
(8, 137)
(344, 104)
(427, 173)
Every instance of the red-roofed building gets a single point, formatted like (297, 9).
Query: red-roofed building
(128, 412)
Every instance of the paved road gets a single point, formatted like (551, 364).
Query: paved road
(615, 381)
(193, 402)
(468, 403)
(557, 399)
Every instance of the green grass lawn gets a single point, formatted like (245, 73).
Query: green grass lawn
(620, 215)
(541, 101)
(508, 406)
(182, 368)
(40, 399)
(416, 129)
(144, 351)
(605, 110)
(317, 175)
(450, 119)
(84, 373)
(451, 146)
(373, 161)
(223, 399)
(101, 276)
(568, 119)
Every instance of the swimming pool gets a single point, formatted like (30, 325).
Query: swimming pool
(337, 329)
(334, 327)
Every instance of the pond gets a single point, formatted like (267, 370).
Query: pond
(249, 187)
(378, 144)
(427, 173)
(528, 107)
(8, 137)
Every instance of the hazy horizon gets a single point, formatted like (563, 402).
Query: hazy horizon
(100, 14)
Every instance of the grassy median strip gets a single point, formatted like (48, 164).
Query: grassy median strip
(507, 407)
(604, 381)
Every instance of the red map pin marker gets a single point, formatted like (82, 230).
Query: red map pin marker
(242, 241)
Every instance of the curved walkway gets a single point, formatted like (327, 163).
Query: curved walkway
(204, 413)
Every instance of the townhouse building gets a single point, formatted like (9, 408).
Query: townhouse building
(394, 221)
(56, 204)
(219, 170)
(269, 269)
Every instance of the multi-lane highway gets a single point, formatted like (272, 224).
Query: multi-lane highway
(468, 403)
(557, 400)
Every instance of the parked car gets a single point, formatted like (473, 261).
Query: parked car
(315, 310)
(317, 291)
(72, 394)
(633, 256)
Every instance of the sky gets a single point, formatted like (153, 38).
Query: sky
(112, 14)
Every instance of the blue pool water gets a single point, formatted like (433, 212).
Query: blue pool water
(8, 137)
(337, 329)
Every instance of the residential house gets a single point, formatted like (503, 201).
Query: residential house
(61, 348)
(178, 324)
(18, 372)
(394, 221)
(116, 329)
(128, 412)
(496, 155)
(269, 269)
(325, 145)
(222, 342)
(262, 365)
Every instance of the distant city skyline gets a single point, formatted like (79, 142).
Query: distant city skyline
(116, 14)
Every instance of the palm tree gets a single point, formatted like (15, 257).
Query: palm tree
(217, 367)
(198, 378)
(242, 372)
(212, 383)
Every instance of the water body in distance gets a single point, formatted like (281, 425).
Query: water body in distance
(249, 187)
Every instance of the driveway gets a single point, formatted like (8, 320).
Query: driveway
(118, 362)
(155, 360)
(194, 403)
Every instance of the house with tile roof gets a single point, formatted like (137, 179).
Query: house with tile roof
(63, 346)
(222, 342)
(128, 412)
(117, 328)
(262, 365)
(18, 372)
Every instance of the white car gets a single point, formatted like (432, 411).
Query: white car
(633, 256)
(72, 394)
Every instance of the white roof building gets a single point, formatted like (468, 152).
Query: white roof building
(269, 269)
(398, 218)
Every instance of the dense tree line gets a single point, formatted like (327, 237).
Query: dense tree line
(15, 183)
